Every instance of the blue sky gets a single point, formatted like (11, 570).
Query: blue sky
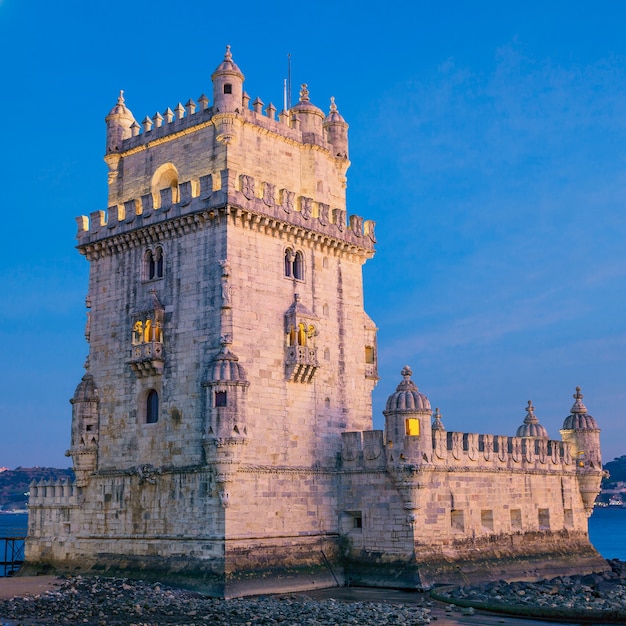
(487, 139)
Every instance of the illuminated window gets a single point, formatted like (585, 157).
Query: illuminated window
(412, 427)
(152, 407)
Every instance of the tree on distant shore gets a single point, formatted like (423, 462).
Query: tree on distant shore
(617, 471)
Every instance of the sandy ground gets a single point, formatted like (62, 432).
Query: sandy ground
(34, 585)
(25, 585)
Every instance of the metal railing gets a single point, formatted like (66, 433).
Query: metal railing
(11, 551)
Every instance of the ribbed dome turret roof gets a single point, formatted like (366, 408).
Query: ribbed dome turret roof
(579, 419)
(226, 368)
(334, 116)
(531, 426)
(305, 105)
(86, 390)
(407, 397)
(120, 109)
(227, 66)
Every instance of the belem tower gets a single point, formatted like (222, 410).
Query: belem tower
(222, 433)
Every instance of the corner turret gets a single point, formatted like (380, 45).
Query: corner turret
(311, 118)
(227, 86)
(581, 430)
(408, 430)
(85, 429)
(337, 131)
(119, 122)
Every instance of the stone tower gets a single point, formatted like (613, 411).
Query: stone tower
(228, 345)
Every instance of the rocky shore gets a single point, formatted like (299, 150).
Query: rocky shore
(592, 598)
(95, 601)
(122, 602)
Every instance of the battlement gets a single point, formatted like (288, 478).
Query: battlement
(242, 198)
(367, 450)
(189, 118)
(52, 493)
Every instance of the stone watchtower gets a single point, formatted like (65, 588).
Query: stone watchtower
(228, 347)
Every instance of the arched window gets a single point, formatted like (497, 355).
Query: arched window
(152, 407)
(294, 264)
(298, 266)
(153, 264)
(301, 335)
(288, 262)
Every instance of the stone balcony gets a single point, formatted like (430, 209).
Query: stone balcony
(147, 358)
(301, 363)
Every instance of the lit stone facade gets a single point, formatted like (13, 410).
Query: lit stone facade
(221, 436)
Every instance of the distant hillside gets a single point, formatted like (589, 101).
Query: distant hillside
(14, 484)
(617, 471)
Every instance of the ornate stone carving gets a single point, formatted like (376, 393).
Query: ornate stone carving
(247, 186)
(287, 200)
(269, 193)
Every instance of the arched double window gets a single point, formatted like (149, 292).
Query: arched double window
(152, 407)
(294, 264)
(153, 264)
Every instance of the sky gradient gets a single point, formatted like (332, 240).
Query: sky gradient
(487, 140)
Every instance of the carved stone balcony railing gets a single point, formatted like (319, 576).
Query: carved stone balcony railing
(147, 358)
(371, 371)
(301, 363)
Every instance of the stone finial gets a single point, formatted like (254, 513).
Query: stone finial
(180, 111)
(333, 106)
(437, 423)
(271, 111)
(228, 56)
(134, 129)
(406, 372)
(531, 426)
(530, 418)
(304, 93)
(245, 100)
(257, 105)
(120, 98)
(204, 102)
(157, 118)
(578, 406)
(190, 107)
(168, 114)
(147, 124)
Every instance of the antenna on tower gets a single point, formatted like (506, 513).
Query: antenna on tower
(288, 81)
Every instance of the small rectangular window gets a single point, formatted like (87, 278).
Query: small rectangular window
(220, 398)
(228, 88)
(358, 522)
(516, 519)
(544, 519)
(486, 520)
(412, 427)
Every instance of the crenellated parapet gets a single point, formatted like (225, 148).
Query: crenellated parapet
(222, 195)
(461, 451)
(53, 494)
